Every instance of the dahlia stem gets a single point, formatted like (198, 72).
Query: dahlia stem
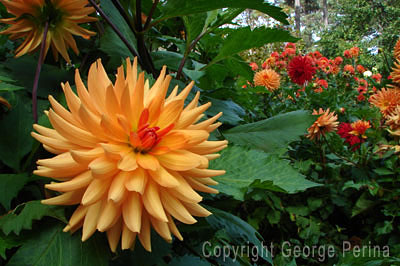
(124, 15)
(115, 29)
(148, 20)
(37, 74)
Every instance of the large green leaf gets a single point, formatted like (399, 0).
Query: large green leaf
(10, 185)
(32, 210)
(232, 112)
(273, 133)
(238, 231)
(54, 247)
(16, 141)
(7, 242)
(110, 43)
(247, 168)
(244, 38)
(178, 8)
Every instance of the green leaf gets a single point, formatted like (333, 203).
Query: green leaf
(178, 8)
(272, 133)
(10, 185)
(232, 112)
(110, 43)
(238, 230)
(194, 25)
(362, 204)
(253, 168)
(188, 260)
(16, 141)
(170, 59)
(7, 242)
(32, 210)
(9, 87)
(54, 247)
(244, 38)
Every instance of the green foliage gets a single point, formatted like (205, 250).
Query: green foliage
(248, 169)
(10, 185)
(19, 219)
(51, 246)
(273, 133)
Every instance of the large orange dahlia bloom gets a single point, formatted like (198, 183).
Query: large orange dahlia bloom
(325, 123)
(267, 78)
(386, 100)
(396, 50)
(62, 16)
(131, 158)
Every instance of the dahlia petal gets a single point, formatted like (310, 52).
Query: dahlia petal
(115, 151)
(71, 132)
(144, 236)
(59, 43)
(136, 181)
(86, 156)
(164, 178)
(61, 111)
(197, 185)
(173, 141)
(48, 132)
(102, 167)
(95, 191)
(112, 105)
(175, 208)
(208, 147)
(172, 95)
(77, 182)
(90, 222)
(73, 101)
(132, 212)
(213, 127)
(60, 161)
(67, 198)
(161, 228)
(113, 235)
(194, 137)
(147, 161)
(170, 113)
(92, 123)
(195, 172)
(59, 174)
(185, 92)
(207, 181)
(158, 101)
(117, 188)
(152, 202)
(189, 117)
(194, 102)
(137, 101)
(83, 93)
(52, 150)
(179, 160)
(196, 209)
(206, 123)
(184, 191)
(110, 214)
(128, 237)
(112, 130)
(173, 228)
(77, 217)
(126, 106)
(128, 162)
(119, 83)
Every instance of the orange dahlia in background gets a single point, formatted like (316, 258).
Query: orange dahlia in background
(393, 118)
(396, 72)
(386, 100)
(325, 123)
(359, 128)
(131, 158)
(396, 50)
(267, 78)
(62, 16)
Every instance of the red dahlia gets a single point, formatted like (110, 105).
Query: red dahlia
(301, 69)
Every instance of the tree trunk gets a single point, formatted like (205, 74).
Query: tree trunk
(325, 12)
(297, 15)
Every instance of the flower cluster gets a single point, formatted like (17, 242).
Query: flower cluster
(325, 123)
(353, 133)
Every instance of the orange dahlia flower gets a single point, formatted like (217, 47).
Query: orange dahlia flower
(129, 158)
(386, 100)
(393, 119)
(62, 16)
(326, 122)
(396, 50)
(359, 128)
(396, 72)
(267, 78)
